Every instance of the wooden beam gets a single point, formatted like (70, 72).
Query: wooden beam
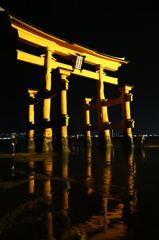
(92, 106)
(112, 125)
(95, 76)
(111, 102)
(38, 38)
(105, 102)
(29, 58)
(91, 127)
(106, 126)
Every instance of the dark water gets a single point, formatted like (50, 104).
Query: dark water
(87, 194)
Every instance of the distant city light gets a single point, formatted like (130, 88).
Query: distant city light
(76, 136)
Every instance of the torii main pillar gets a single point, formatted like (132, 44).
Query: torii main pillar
(104, 134)
(47, 134)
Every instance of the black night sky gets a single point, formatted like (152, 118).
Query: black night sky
(119, 28)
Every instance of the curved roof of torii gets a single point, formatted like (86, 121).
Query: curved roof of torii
(36, 37)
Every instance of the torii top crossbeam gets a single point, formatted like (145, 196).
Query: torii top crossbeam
(31, 35)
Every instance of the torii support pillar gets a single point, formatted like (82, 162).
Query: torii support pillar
(47, 134)
(127, 122)
(31, 143)
(63, 118)
(87, 133)
(104, 134)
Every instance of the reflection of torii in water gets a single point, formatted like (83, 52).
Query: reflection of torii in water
(104, 219)
(48, 168)
(98, 222)
(130, 196)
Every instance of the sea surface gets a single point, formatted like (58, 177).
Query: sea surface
(89, 193)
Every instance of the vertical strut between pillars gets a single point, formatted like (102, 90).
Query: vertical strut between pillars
(127, 122)
(31, 121)
(87, 133)
(63, 118)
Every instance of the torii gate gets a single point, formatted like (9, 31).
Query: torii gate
(49, 45)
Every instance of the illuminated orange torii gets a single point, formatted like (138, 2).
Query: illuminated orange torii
(49, 45)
